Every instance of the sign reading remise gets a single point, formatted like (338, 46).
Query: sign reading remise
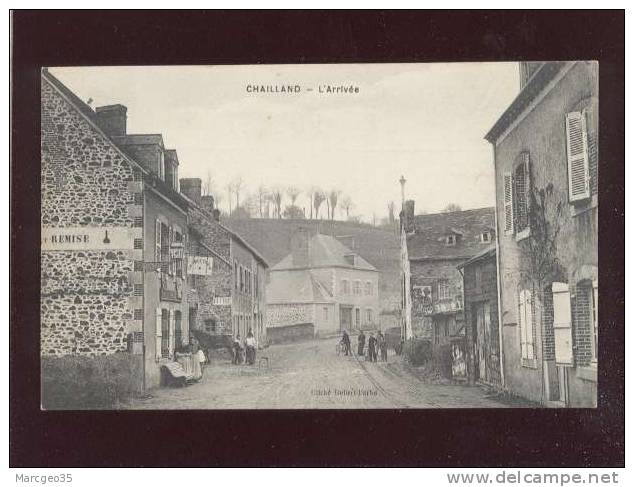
(88, 238)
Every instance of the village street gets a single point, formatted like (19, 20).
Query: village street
(311, 375)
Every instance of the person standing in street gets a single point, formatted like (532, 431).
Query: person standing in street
(251, 346)
(361, 340)
(383, 346)
(345, 339)
(237, 350)
(372, 348)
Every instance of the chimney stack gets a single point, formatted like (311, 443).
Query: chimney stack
(300, 247)
(207, 203)
(112, 119)
(216, 214)
(191, 187)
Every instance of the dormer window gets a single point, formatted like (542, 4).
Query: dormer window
(349, 259)
(451, 239)
(485, 237)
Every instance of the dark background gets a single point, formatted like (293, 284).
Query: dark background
(452, 438)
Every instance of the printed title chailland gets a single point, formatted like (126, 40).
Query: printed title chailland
(290, 89)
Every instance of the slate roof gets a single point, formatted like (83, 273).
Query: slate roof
(296, 287)
(326, 251)
(428, 240)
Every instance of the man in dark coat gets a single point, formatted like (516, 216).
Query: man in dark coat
(361, 343)
(383, 346)
(372, 348)
(345, 339)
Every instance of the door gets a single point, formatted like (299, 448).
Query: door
(481, 342)
(345, 318)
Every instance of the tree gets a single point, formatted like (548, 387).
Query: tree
(346, 204)
(293, 192)
(238, 184)
(240, 213)
(318, 198)
(276, 198)
(262, 194)
(333, 197)
(451, 207)
(390, 212)
(293, 212)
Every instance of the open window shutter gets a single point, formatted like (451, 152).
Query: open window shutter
(522, 323)
(528, 309)
(527, 183)
(172, 327)
(508, 203)
(578, 164)
(562, 324)
(159, 332)
(157, 257)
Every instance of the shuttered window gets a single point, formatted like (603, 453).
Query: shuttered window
(527, 341)
(577, 152)
(157, 252)
(508, 203)
(521, 193)
(562, 324)
(159, 333)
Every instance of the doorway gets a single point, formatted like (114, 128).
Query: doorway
(345, 318)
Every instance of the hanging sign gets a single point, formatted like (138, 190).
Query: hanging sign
(200, 266)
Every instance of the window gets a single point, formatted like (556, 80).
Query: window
(450, 240)
(345, 290)
(178, 330)
(349, 259)
(527, 344)
(161, 165)
(443, 289)
(368, 316)
(368, 288)
(165, 333)
(236, 278)
(325, 313)
(485, 237)
(357, 317)
(521, 192)
(508, 204)
(157, 239)
(577, 155)
(357, 288)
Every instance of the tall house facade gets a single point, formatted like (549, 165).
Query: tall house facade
(113, 230)
(546, 179)
(325, 284)
(432, 246)
(228, 276)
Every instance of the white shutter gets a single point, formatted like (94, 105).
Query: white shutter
(508, 203)
(170, 240)
(528, 309)
(562, 324)
(172, 327)
(159, 332)
(577, 148)
(522, 322)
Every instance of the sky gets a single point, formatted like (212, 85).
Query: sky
(423, 121)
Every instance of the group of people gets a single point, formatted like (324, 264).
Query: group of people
(377, 346)
(244, 351)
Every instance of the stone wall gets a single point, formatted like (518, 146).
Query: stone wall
(289, 314)
(85, 307)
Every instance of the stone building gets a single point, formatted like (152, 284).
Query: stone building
(432, 245)
(113, 227)
(482, 331)
(546, 179)
(323, 284)
(228, 295)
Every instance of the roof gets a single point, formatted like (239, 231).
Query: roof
(534, 86)
(326, 251)
(138, 139)
(428, 240)
(486, 253)
(296, 287)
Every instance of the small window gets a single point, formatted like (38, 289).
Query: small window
(357, 288)
(369, 317)
(443, 289)
(357, 315)
(325, 313)
(368, 288)
(485, 237)
(345, 289)
(349, 259)
(450, 240)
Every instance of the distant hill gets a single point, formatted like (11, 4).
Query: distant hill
(380, 247)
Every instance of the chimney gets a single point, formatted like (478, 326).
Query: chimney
(216, 214)
(191, 187)
(300, 247)
(207, 203)
(112, 119)
(407, 216)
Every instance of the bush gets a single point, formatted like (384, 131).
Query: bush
(79, 382)
(417, 351)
